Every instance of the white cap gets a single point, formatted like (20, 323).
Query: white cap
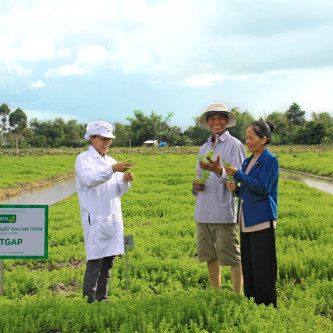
(217, 108)
(101, 128)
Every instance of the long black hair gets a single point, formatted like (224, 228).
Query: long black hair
(263, 128)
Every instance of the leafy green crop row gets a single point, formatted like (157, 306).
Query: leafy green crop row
(314, 163)
(16, 171)
(169, 289)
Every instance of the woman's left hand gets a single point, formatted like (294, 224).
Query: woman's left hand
(231, 186)
(127, 177)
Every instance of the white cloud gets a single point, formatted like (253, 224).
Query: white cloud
(171, 39)
(86, 61)
(44, 115)
(37, 84)
(265, 45)
(92, 56)
(315, 89)
(203, 80)
(35, 47)
(65, 70)
(64, 53)
(20, 70)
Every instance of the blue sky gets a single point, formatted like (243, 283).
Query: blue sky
(102, 59)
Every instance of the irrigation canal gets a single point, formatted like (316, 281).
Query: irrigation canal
(57, 192)
(45, 196)
(325, 185)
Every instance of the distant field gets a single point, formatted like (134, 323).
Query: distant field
(52, 164)
(320, 164)
(155, 151)
(29, 169)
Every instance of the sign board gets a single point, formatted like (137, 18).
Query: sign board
(24, 231)
(128, 241)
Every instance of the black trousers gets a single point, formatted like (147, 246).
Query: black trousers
(96, 279)
(259, 265)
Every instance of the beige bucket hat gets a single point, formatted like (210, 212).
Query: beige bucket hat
(217, 108)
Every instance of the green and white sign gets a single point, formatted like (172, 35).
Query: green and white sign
(7, 218)
(23, 231)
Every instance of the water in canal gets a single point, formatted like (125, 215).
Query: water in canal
(46, 196)
(321, 184)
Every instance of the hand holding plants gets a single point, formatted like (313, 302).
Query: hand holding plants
(230, 170)
(128, 176)
(121, 166)
(198, 185)
(231, 185)
(212, 165)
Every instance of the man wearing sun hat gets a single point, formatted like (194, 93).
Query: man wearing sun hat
(100, 182)
(215, 209)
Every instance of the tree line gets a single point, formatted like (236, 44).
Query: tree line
(291, 128)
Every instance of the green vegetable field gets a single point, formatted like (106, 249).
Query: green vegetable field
(17, 171)
(314, 163)
(168, 289)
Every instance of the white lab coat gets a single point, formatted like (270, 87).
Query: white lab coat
(99, 190)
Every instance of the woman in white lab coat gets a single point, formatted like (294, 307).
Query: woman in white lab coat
(100, 182)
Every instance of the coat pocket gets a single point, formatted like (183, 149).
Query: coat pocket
(103, 227)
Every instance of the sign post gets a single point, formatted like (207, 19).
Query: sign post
(23, 233)
(2, 293)
(128, 242)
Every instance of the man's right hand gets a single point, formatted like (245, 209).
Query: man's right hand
(198, 186)
(212, 165)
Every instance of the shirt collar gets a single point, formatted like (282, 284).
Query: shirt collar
(222, 137)
(95, 153)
